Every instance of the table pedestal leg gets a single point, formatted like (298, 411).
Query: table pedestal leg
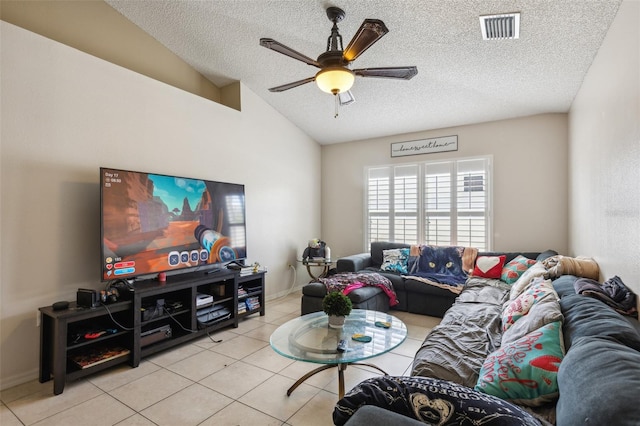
(309, 374)
(341, 368)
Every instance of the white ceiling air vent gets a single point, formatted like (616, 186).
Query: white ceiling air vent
(499, 27)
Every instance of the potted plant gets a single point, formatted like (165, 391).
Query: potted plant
(337, 305)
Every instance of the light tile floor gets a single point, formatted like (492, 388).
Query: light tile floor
(238, 381)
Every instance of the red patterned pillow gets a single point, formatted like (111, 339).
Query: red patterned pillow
(489, 266)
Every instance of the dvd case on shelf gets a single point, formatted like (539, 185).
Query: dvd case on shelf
(97, 355)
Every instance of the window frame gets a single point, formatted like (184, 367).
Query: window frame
(458, 184)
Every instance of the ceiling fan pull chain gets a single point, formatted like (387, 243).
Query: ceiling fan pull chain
(337, 103)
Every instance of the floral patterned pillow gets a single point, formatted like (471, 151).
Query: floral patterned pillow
(525, 371)
(514, 269)
(395, 260)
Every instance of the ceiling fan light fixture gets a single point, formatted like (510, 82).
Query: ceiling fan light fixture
(335, 80)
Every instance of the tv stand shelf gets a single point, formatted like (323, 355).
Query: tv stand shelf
(172, 319)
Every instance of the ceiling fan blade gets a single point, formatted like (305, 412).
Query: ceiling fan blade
(402, 73)
(292, 85)
(270, 43)
(369, 32)
(346, 98)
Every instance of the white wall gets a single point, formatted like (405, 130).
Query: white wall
(65, 114)
(604, 154)
(529, 188)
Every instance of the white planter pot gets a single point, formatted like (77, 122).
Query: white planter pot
(336, 321)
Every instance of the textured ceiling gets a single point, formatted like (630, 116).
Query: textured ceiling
(461, 78)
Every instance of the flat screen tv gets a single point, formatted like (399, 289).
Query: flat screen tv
(152, 223)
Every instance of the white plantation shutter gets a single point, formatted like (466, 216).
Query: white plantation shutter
(378, 204)
(438, 203)
(472, 199)
(405, 204)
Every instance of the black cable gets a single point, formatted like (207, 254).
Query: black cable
(114, 320)
(170, 316)
(187, 329)
(176, 321)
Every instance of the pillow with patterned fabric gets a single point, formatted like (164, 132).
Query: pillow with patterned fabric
(525, 371)
(395, 260)
(512, 270)
(545, 311)
(431, 401)
(520, 307)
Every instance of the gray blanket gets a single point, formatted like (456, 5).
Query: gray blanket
(471, 329)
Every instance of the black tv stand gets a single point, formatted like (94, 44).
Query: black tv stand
(142, 329)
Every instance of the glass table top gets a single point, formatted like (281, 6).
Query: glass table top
(309, 337)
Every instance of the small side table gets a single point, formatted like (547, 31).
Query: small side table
(325, 264)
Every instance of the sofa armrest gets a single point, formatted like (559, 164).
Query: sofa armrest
(354, 263)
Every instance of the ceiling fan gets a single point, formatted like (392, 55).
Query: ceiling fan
(335, 75)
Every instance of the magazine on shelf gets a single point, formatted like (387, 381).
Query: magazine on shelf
(97, 355)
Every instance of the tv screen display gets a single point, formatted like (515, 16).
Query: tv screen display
(152, 223)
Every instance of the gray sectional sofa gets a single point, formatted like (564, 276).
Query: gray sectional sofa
(413, 296)
(596, 375)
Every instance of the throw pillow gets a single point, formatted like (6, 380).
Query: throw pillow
(395, 260)
(431, 401)
(514, 269)
(519, 307)
(526, 371)
(545, 311)
(489, 266)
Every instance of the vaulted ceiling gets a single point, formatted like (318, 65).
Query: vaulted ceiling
(462, 79)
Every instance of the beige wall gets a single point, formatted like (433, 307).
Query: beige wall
(604, 147)
(96, 28)
(529, 188)
(65, 114)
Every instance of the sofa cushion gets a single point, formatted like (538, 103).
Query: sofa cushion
(586, 317)
(512, 254)
(395, 260)
(599, 380)
(489, 266)
(525, 371)
(514, 269)
(544, 255)
(564, 285)
(432, 401)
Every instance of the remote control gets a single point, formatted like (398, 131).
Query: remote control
(342, 345)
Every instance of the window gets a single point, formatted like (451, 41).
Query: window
(438, 203)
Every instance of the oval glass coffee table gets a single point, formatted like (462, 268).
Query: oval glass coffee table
(308, 338)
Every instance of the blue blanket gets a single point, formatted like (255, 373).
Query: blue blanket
(448, 265)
